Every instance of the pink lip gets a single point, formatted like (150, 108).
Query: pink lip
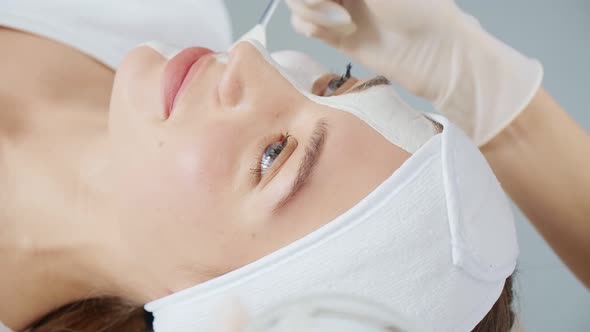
(176, 73)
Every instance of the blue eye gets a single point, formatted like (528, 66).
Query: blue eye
(263, 162)
(270, 154)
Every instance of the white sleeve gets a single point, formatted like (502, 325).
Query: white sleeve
(109, 29)
(3, 328)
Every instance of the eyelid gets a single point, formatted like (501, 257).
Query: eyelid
(346, 86)
(269, 174)
(313, 150)
(321, 84)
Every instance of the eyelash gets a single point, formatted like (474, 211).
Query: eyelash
(336, 83)
(257, 170)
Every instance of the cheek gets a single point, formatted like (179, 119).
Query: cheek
(201, 169)
(182, 178)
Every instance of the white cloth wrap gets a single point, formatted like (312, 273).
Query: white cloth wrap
(108, 29)
(3, 328)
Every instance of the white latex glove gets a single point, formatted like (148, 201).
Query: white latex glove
(434, 50)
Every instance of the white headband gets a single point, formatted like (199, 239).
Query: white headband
(434, 242)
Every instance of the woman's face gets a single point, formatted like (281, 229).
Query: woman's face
(192, 194)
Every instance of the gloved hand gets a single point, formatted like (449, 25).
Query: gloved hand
(434, 50)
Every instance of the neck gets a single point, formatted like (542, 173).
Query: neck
(54, 213)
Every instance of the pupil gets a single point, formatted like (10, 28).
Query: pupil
(275, 149)
(270, 155)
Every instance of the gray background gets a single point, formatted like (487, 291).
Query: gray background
(558, 34)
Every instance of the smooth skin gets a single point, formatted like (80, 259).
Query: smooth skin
(101, 196)
(543, 160)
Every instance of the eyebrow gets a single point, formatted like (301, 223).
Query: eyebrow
(377, 80)
(313, 151)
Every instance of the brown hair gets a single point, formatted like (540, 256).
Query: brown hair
(501, 317)
(116, 315)
(107, 314)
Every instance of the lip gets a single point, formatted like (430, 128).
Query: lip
(176, 73)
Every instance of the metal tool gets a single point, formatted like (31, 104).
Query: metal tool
(258, 32)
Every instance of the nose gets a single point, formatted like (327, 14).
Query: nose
(240, 74)
(250, 84)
